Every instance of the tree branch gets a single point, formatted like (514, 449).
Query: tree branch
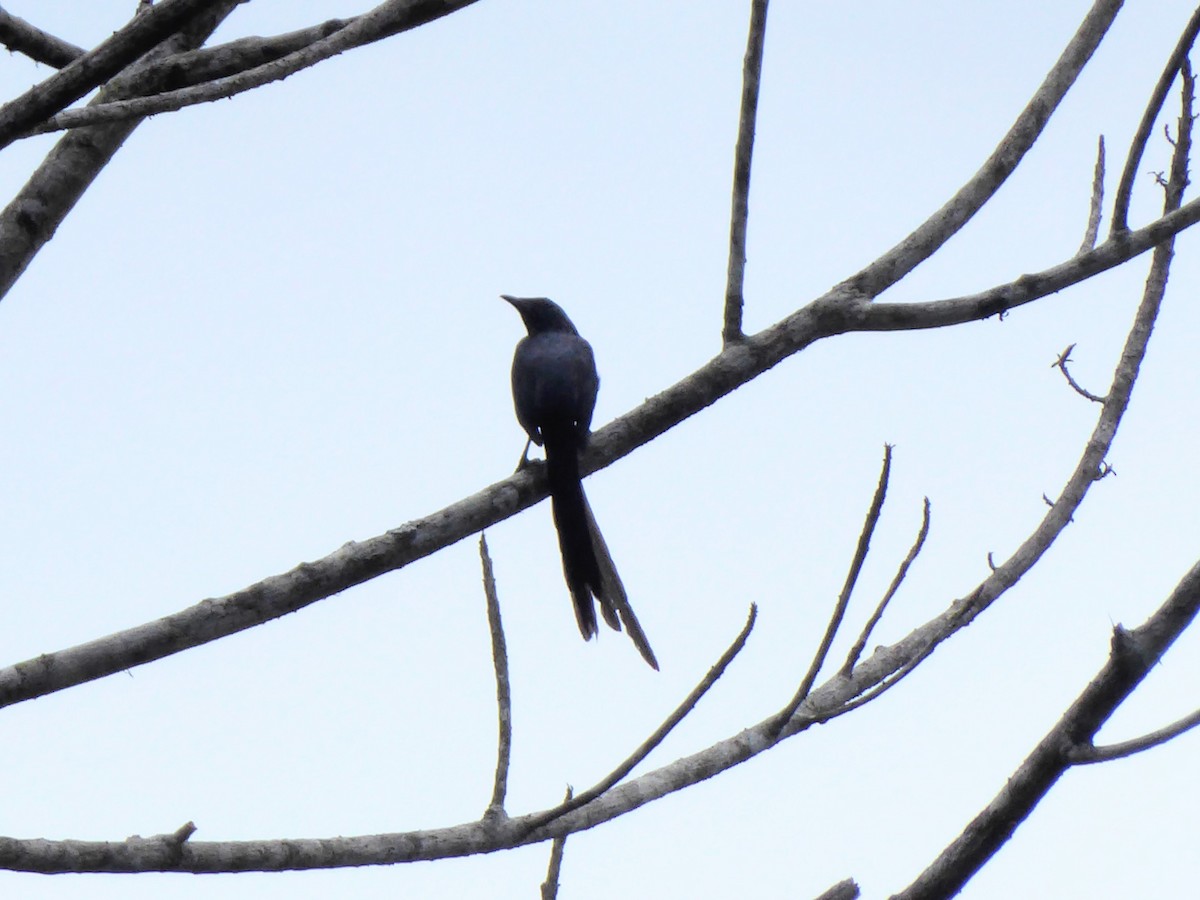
(40, 46)
(1095, 209)
(386, 19)
(503, 692)
(149, 28)
(35, 213)
(1061, 364)
(1120, 220)
(942, 225)
(1134, 654)
(857, 649)
(538, 820)
(1085, 755)
(735, 281)
(839, 608)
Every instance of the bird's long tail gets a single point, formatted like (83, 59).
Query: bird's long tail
(587, 564)
(569, 507)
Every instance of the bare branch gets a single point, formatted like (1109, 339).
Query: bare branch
(40, 46)
(550, 885)
(1061, 364)
(839, 609)
(1094, 212)
(539, 820)
(150, 27)
(1133, 160)
(503, 691)
(735, 281)
(959, 209)
(835, 313)
(35, 213)
(1134, 654)
(386, 19)
(1086, 754)
(857, 649)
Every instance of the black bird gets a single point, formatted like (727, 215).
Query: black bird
(554, 384)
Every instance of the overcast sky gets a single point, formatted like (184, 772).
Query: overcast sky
(272, 326)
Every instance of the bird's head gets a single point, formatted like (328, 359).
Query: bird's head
(541, 314)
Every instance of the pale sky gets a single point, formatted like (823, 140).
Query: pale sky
(272, 326)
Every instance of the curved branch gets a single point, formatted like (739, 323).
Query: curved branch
(1120, 220)
(959, 209)
(1086, 755)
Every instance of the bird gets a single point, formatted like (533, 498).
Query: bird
(554, 386)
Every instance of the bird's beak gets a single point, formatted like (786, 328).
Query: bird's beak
(515, 301)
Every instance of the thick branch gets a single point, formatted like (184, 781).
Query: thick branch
(21, 37)
(386, 19)
(1134, 654)
(35, 213)
(150, 27)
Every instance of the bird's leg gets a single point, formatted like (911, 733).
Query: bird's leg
(524, 463)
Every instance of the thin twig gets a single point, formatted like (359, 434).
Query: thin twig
(21, 37)
(743, 154)
(503, 692)
(718, 669)
(1095, 210)
(1087, 754)
(839, 609)
(550, 885)
(1133, 160)
(1061, 364)
(385, 20)
(857, 649)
